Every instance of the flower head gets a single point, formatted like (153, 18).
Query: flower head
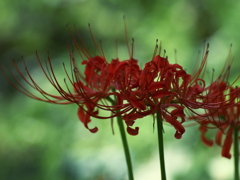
(220, 101)
(224, 119)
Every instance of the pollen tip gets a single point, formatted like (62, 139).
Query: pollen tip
(208, 45)
(67, 24)
(124, 17)
(89, 25)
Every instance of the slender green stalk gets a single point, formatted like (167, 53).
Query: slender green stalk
(126, 149)
(160, 146)
(124, 141)
(236, 154)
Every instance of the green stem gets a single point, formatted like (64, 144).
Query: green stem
(161, 146)
(124, 141)
(126, 149)
(236, 154)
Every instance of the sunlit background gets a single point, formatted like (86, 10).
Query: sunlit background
(40, 141)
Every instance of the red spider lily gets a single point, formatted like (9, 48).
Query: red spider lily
(138, 93)
(193, 92)
(85, 90)
(150, 90)
(224, 119)
(220, 101)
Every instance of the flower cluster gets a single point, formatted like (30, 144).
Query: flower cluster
(126, 90)
(221, 106)
(224, 118)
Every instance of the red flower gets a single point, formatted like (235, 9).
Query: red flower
(149, 91)
(220, 101)
(224, 118)
(84, 90)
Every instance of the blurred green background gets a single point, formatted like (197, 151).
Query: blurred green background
(40, 141)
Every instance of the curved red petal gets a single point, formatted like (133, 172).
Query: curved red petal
(205, 140)
(227, 144)
(137, 104)
(85, 119)
(132, 131)
(218, 138)
(162, 93)
(156, 85)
